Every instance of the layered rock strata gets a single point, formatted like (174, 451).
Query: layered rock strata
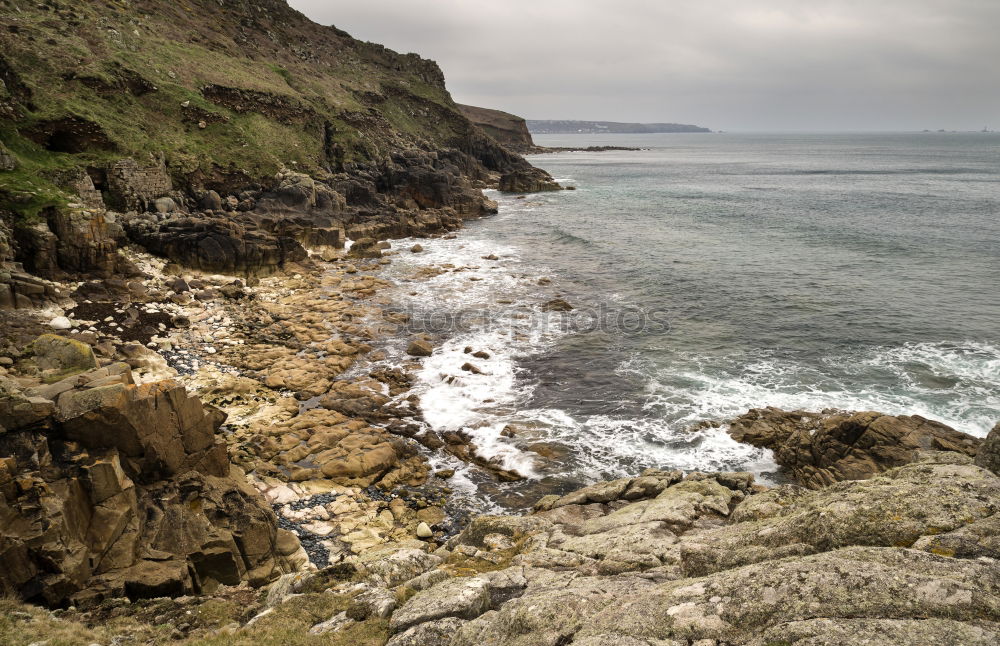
(116, 489)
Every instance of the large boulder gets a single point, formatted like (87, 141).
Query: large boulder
(59, 356)
(158, 425)
(821, 448)
(988, 456)
(300, 194)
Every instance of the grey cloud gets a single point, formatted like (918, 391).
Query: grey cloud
(725, 64)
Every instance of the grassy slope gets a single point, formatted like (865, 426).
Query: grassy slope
(79, 58)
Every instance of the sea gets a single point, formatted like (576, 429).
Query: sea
(708, 274)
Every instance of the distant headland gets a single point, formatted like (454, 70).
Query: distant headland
(550, 127)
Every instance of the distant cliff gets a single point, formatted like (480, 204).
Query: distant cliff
(549, 127)
(508, 129)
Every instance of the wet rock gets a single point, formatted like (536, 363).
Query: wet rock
(527, 180)
(419, 348)
(819, 449)
(557, 305)
(416, 248)
(468, 367)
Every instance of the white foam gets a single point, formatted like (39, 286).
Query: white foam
(452, 398)
(957, 384)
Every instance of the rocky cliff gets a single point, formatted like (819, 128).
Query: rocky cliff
(248, 132)
(508, 129)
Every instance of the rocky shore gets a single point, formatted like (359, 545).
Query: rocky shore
(200, 442)
(206, 458)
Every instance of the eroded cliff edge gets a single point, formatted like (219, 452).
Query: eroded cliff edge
(239, 133)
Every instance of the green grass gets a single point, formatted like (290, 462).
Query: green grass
(180, 47)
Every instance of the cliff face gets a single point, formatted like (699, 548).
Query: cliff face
(195, 108)
(508, 129)
(223, 89)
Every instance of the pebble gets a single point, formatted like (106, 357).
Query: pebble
(60, 323)
(424, 531)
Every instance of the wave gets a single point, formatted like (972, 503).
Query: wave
(955, 383)
(561, 235)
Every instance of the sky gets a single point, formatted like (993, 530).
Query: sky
(736, 65)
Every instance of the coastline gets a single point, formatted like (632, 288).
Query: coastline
(296, 361)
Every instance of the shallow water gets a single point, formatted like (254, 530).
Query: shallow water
(711, 274)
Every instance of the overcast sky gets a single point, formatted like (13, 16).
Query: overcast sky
(725, 64)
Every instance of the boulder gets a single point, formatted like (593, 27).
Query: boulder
(988, 456)
(61, 356)
(19, 409)
(164, 205)
(60, 323)
(419, 348)
(210, 201)
(365, 248)
(7, 159)
(557, 305)
(157, 424)
(821, 448)
(463, 598)
(432, 633)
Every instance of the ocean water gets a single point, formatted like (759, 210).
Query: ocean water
(709, 274)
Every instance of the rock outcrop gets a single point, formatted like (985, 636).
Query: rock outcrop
(988, 456)
(215, 244)
(115, 489)
(507, 129)
(906, 557)
(527, 181)
(818, 449)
